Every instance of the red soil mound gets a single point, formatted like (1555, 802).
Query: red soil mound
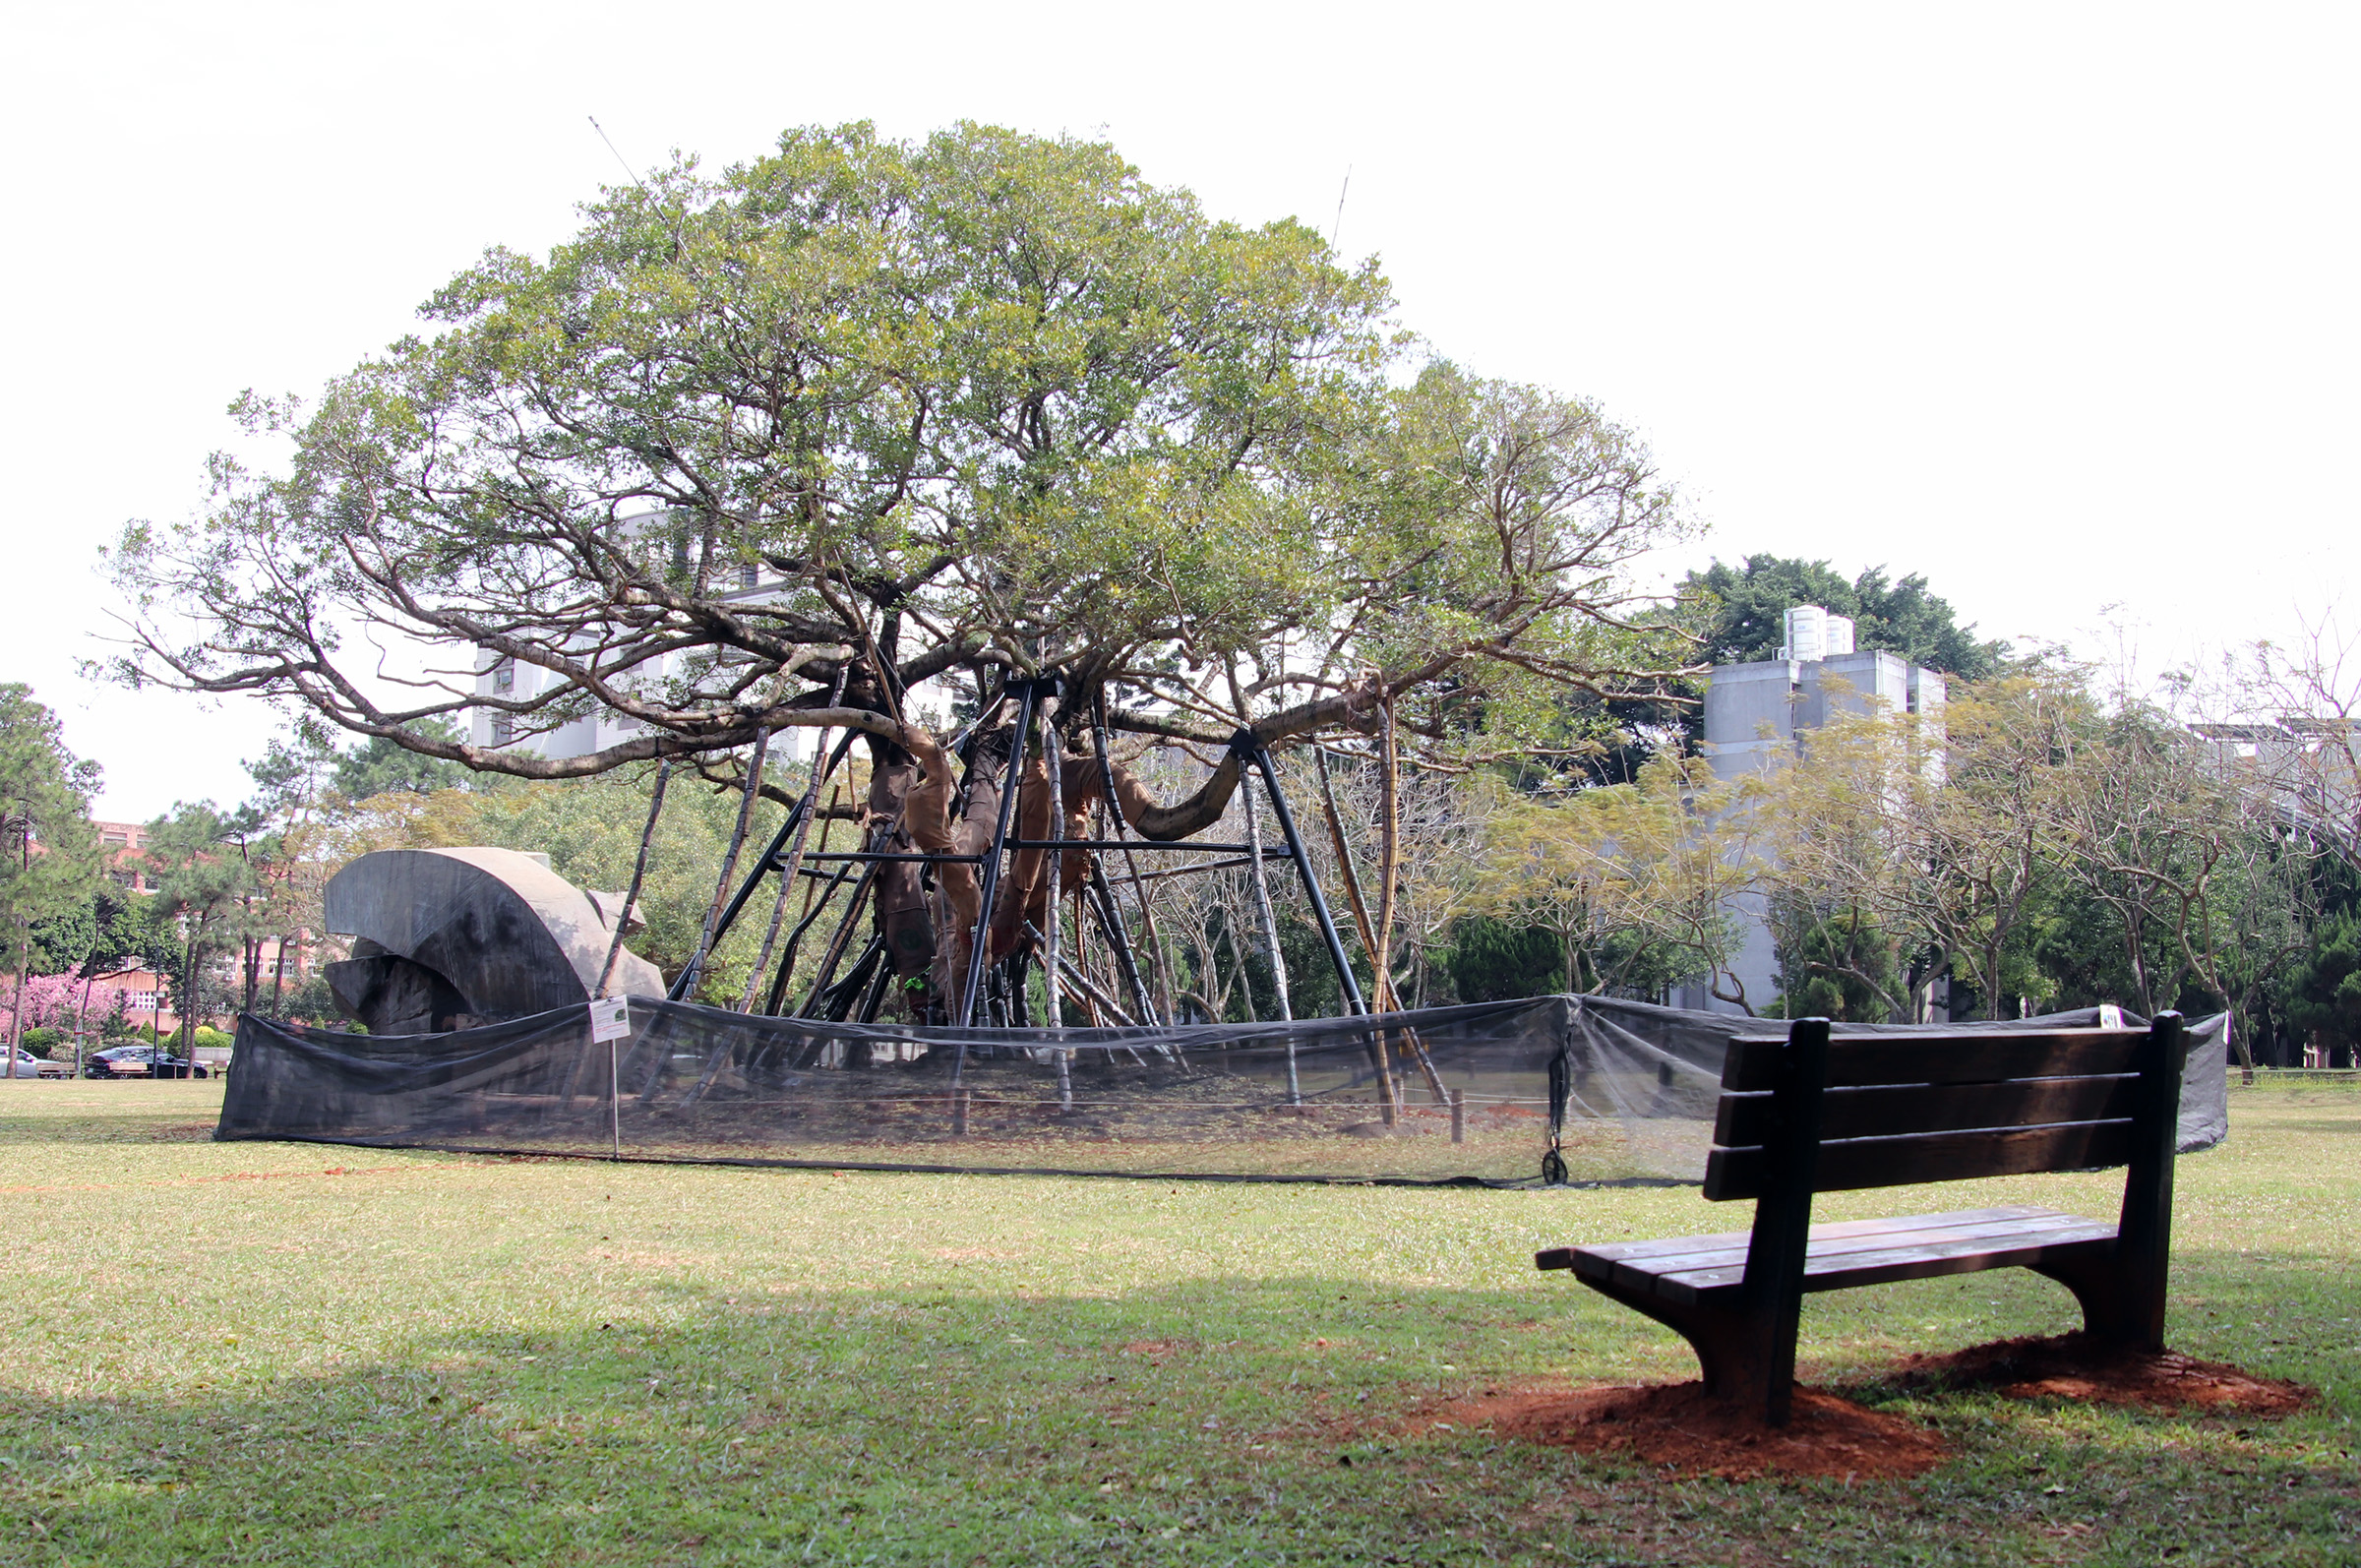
(2078, 1367)
(1676, 1425)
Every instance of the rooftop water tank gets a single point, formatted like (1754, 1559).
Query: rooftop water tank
(1807, 635)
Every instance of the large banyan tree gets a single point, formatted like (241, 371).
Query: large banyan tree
(994, 428)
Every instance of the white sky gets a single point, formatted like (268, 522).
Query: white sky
(2055, 304)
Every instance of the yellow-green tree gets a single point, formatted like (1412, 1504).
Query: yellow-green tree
(1639, 882)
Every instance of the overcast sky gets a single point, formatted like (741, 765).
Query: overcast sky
(2054, 304)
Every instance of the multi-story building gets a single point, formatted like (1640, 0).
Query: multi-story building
(1764, 712)
(124, 846)
(594, 732)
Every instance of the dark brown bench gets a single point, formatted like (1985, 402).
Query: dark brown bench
(1804, 1115)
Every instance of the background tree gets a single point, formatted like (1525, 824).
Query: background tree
(1638, 882)
(204, 884)
(1743, 610)
(49, 864)
(378, 764)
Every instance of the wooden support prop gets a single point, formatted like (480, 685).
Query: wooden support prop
(606, 971)
(822, 762)
(842, 940)
(1459, 1115)
(685, 987)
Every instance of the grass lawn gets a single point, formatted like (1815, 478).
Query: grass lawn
(265, 1353)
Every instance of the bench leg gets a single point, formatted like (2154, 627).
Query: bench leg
(2121, 1303)
(1737, 1350)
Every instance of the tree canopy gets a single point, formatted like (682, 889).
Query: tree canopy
(380, 763)
(960, 409)
(1745, 608)
(48, 850)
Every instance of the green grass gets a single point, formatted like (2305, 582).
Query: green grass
(262, 1352)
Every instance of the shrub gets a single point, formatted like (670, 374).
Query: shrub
(43, 1041)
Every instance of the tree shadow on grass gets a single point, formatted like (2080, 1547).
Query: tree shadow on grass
(1202, 1420)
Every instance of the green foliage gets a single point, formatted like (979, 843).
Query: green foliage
(49, 862)
(207, 1038)
(2323, 995)
(1837, 965)
(1745, 608)
(201, 864)
(380, 763)
(1490, 959)
(42, 1039)
(975, 401)
(308, 1001)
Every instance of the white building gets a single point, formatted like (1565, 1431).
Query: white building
(1763, 712)
(594, 732)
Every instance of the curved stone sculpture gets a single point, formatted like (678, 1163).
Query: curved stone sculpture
(447, 939)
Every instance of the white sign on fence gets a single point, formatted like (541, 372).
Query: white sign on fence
(611, 1019)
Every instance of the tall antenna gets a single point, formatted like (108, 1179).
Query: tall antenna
(642, 184)
(1333, 229)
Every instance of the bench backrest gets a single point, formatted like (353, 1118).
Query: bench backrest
(1890, 1111)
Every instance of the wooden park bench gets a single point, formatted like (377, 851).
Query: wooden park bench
(1804, 1115)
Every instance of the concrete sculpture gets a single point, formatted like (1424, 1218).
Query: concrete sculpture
(447, 939)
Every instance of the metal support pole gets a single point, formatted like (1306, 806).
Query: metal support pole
(843, 937)
(1112, 913)
(1263, 909)
(992, 862)
(822, 764)
(1054, 766)
(1111, 920)
(1245, 743)
(762, 868)
(786, 971)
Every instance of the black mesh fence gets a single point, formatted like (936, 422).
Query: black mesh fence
(1553, 1088)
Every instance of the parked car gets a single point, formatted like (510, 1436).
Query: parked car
(28, 1066)
(137, 1061)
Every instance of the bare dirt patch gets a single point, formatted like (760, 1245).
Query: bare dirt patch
(1676, 1425)
(1151, 1347)
(2078, 1367)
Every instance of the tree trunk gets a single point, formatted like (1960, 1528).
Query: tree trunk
(188, 1003)
(1389, 852)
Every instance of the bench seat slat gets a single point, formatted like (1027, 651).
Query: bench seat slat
(1697, 1271)
(1858, 1162)
(1854, 1252)
(1619, 1251)
(1902, 1263)
(1703, 1252)
(1858, 1063)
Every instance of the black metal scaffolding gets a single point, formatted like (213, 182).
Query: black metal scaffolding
(989, 992)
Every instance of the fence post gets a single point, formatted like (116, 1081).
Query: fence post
(1459, 1115)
